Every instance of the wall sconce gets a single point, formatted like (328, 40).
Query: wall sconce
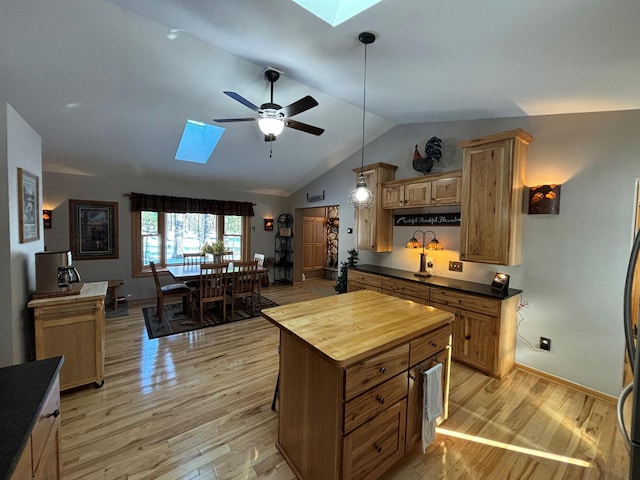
(46, 218)
(434, 244)
(544, 199)
(268, 224)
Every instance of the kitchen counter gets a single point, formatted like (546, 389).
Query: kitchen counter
(23, 389)
(435, 281)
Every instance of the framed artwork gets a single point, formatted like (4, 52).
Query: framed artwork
(29, 206)
(93, 229)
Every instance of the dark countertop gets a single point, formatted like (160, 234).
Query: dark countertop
(23, 388)
(444, 282)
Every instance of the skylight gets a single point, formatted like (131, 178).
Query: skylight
(198, 141)
(334, 12)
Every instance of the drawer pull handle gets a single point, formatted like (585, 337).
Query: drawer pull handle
(382, 369)
(55, 414)
(412, 377)
(468, 337)
(380, 399)
(377, 447)
(434, 344)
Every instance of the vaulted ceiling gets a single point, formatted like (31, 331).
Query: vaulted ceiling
(107, 86)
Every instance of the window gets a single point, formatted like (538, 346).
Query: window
(162, 238)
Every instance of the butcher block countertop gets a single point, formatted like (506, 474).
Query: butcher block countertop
(349, 327)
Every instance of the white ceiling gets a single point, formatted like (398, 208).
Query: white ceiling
(105, 88)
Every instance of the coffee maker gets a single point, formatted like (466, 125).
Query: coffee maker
(54, 272)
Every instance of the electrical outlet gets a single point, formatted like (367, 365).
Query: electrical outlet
(455, 266)
(545, 344)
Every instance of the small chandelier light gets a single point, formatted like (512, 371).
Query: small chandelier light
(362, 197)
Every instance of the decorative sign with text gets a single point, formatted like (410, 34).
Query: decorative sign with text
(427, 219)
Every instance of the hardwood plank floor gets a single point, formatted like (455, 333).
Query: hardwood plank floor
(198, 406)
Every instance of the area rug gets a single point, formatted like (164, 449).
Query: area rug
(175, 320)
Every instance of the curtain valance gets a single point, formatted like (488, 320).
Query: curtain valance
(168, 204)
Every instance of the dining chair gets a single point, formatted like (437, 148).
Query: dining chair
(212, 287)
(170, 291)
(243, 281)
(193, 259)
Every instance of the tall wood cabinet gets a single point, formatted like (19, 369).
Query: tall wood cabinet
(374, 225)
(73, 326)
(492, 195)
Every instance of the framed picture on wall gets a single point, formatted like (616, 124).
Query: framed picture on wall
(93, 229)
(29, 206)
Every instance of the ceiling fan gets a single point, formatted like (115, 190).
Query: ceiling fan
(272, 118)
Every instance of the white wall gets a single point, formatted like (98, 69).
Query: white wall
(59, 188)
(574, 263)
(20, 147)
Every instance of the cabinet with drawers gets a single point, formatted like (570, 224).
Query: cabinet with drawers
(484, 326)
(363, 281)
(350, 381)
(30, 394)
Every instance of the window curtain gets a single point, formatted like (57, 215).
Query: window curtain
(164, 203)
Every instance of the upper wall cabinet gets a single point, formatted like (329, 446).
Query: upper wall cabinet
(492, 191)
(430, 190)
(374, 225)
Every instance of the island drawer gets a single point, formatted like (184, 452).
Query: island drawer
(372, 402)
(474, 303)
(406, 289)
(371, 449)
(429, 344)
(375, 370)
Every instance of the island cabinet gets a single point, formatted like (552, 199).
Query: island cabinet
(374, 225)
(73, 326)
(351, 381)
(492, 195)
(484, 327)
(30, 444)
(430, 190)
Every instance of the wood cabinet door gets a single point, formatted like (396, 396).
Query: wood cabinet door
(313, 243)
(486, 193)
(417, 194)
(392, 196)
(477, 341)
(446, 191)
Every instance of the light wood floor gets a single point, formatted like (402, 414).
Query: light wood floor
(198, 406)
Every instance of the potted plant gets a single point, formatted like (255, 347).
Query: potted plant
(216, 249)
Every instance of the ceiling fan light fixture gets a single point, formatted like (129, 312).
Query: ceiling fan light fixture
(271, 125)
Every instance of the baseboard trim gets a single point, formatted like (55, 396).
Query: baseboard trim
(576, 386)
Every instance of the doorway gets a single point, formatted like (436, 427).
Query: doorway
(316, 243)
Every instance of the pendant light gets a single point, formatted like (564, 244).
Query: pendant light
(362, 197)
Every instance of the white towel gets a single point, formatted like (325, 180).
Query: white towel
(431, 403)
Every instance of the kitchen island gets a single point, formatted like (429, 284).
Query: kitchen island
(350, 381)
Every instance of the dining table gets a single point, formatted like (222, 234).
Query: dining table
(186, 273)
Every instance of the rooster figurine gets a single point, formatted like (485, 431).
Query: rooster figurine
(432, 150)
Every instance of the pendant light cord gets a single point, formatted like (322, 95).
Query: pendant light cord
(364, 108)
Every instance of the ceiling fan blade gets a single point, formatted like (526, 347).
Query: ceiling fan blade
(303, 127)
(300, 106)
(246, 119)
(242, 100)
